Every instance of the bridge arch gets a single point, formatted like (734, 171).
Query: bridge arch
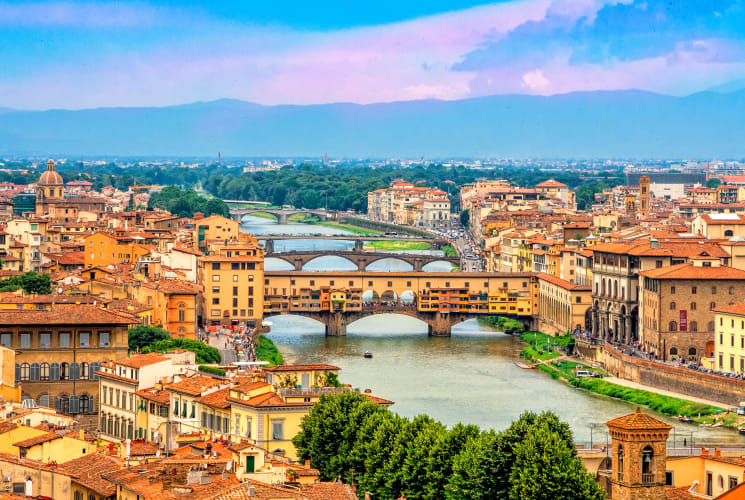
(446, 266)
(315, 262)
(407, 297)
(273, 215)
(389, 297)
(273, 266)
(409, 261)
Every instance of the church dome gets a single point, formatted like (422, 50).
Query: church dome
(50, 177)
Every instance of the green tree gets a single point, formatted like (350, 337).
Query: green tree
(141, 336)
(373, 448)
(713, 183)
(465, 217)
(322, 432)
(30, 282)
(439, 460)
(472, 476)
(547, 466)
(397, 476)
(331, 380)
(414, 469)
(204, 354)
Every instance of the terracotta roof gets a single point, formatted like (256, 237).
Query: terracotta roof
(28, 443)
(638, 421)
(141, 360)
(87, 471)
(67, 314)
(550, 183)
(297, 368)
(268, 400)
(737, 309)
(195, 386)
(562, 283)
(263, 491)
(158, 395)
(681, 493)
(217, 399)
(687, 271)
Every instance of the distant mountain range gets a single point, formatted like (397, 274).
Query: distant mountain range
(607, 124)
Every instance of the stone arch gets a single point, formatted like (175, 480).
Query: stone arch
(370, 296)
(389, 296)
(437, 261)
(326, 257)
(290, 265)
(392, 258)
(408, 297)
(265, 212)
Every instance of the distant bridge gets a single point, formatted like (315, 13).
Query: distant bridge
(359, 240)
(280, 213)
(360, 259)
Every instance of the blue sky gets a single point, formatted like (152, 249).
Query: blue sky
(79, 54)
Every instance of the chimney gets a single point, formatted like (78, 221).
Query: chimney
(204, 479)
(251, 493)
(307, 463)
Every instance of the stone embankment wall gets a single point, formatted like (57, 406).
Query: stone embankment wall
(662, 376)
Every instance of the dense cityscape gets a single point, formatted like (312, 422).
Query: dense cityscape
(286, 250)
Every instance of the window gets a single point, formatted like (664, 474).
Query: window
(26, 340)
(673, 326)
(672, 289)
(694, 289)
(672, 306)
(713, 290)
(215, 266)
(5, 339)
(693, 306)
(693, 326)
(182, 315)
(620, 462)
(25, 372)
(691, 351)
(215, 277)
(44, 371)
(712, 305)
(731, 290)
(64, 340)
(669, 478)
(248, 427)
(84, 371)
(45, 340)
(647, 472)
(85, 339)
(278, 429)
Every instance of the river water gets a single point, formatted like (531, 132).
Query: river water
(470, 377)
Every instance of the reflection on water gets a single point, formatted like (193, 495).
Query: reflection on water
(470, 377)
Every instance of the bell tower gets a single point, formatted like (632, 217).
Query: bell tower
(644, 195)
(630, 202)
(639, 455)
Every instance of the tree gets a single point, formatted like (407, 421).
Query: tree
(30, 282)
(204, 354)
(141, 336)
(322, 432)
(414, 469)
(396, 476)
(374, 445)
(713, 183)
(465, 217)
(472, 476)
(331, 380)
(439, 460)
(547, 466)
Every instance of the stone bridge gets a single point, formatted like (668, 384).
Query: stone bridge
(359, 241)
(360, 259)
(336, 322)
(280, 213)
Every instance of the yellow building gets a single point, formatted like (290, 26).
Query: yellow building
(41, 445)
(232, 277)
(173, 305)
(729, 339)
(214, 228)
(707, 475)
(153, 410)
(562, 306)
(303, 376)
(102, 249)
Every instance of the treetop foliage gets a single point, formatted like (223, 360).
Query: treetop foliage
(30, 282)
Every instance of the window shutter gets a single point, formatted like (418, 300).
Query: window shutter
(57, 403)
(74, 371)
(54, 373)
(44, 400)
(74, 404)
(18, 373)
(91, 404)
(93, 375)
(34, 377)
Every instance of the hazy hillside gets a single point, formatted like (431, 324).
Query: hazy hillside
(583, 124)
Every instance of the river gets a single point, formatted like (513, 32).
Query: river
(470, 377)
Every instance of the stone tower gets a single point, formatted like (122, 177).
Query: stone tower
(630, 203)
(644, 195)
(639, 446)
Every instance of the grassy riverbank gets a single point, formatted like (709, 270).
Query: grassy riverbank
(394, 245)
(543, 350)
(449, 251)
(352, 229)
(267, 351)
(263, 215)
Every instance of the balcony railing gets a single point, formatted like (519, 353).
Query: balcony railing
(647, 478)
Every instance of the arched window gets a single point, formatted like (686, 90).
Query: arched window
(728, 232)
(615, 289)
(620, 462)
(713, 290)
(673, 326)
(712, 305)
(64, 371)
(84, 371)
(691, 351)
(731, 290)
(710, 326)
(85, 404)
(54, 372)
(34, 375)
(44, 400)
(673, 351)
(694, 326)
(44, 371)
(25, 372)
(647, 469)
(672, 306)
(693, 306)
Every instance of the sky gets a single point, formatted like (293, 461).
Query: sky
(81, 54)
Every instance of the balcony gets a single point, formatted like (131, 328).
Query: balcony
(647, 478)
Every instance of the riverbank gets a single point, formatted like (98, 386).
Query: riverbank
(349, 227)
(543, 350)
(395, 245)
(267, 351)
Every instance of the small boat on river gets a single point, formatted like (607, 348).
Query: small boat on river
(367, 354)
(522, 365)
(685, 420)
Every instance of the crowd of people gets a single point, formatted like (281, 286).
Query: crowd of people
(240, 338)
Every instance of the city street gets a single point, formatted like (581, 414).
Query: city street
(228, 354)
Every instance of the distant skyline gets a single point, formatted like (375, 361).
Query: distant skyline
(81, 54)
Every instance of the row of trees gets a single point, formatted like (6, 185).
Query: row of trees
(153, 339)
(184, 202)
(348, 436)
(30, 282)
